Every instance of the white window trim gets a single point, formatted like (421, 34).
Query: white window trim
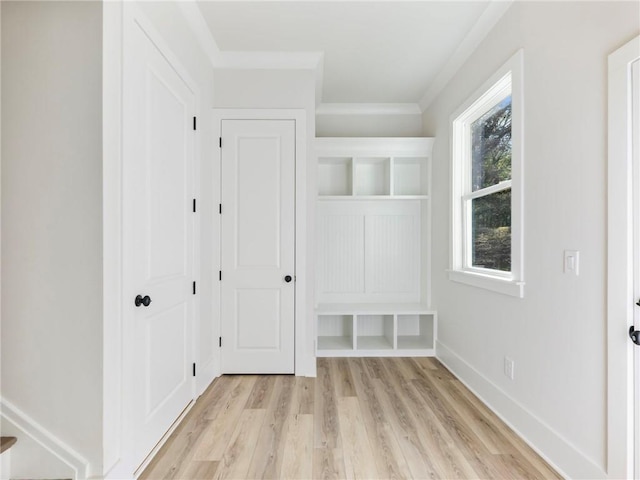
(508, 283)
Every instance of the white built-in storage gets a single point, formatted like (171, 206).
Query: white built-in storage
(375, 330)
(373, 244)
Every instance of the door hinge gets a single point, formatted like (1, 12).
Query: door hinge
(220, 275)
(194, 205)
(194, 288)
(194, 369)
(220, 142)
(220, 341)
(220, 209)
(194, 123)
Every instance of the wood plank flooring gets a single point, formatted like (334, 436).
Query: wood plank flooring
(6, 443)
(369, 418)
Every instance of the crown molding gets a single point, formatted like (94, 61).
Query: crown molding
(315, 61)
(270, 60)
(494, 11)
(267, 60)
(243, 59)
(196, 20)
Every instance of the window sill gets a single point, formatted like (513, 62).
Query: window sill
(495, 284)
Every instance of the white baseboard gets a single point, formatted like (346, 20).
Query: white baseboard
(5, 465)
(145, 463)
(36, 432)
(205, 375)
(564, 457)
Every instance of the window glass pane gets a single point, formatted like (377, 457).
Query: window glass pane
(491, 146)
(491, 231)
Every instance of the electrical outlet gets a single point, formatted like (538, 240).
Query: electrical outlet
(508, 367)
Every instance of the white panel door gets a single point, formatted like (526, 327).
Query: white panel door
(157, 247)
(258, 246)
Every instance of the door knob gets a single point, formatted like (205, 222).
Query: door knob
(140, 300)
(287, 278)
(634, 335)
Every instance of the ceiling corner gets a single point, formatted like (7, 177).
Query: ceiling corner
(196, 21)
(489, 18)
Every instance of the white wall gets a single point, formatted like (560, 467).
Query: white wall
(281, 89)
(368, 125)
(556, 334)
(264, 89)
(52, 218)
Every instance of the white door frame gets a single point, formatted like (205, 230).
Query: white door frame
(620, 394)
(302, 346)
(117, 460)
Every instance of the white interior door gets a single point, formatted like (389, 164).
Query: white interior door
(635, 128)
(157, 248)
(258, 246)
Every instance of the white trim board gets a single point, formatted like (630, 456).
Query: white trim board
(112, 408)
(270, 60)
(620, 265)
(372, 146)
(564, 457)
(198, 24)
(45, 439)
(176, 423)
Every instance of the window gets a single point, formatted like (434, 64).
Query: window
(487, 229)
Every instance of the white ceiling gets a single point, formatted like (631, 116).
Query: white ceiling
(374, 52)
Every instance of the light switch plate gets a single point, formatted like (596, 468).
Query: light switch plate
(572, 262)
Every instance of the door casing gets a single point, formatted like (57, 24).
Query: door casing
(620, 303)
(635, 147)
(304, 352)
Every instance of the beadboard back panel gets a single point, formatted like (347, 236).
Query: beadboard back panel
(369, 251)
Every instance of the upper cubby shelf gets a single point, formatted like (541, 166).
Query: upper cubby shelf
(373, 168)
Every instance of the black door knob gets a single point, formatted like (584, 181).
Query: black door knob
(634, 335)
(140, 300)
(287, 278)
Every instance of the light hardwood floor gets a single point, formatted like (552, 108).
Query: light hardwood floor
(363, 418)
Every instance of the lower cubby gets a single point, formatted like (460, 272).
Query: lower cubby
(416, 332)
(375, 330)
(335, 332)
